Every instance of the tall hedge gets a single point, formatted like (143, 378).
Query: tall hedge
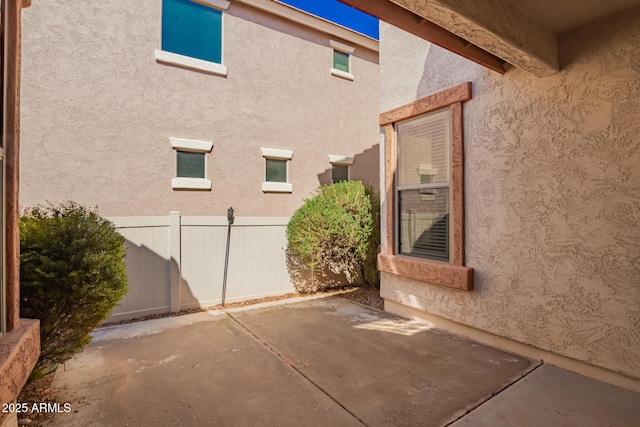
(335, 229)
(72, 274)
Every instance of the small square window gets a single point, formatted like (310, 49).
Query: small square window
(339, 173)
(192, 29)
(276, 170)
(191, 169)
(341, 61)
(190, 165)
(276, 177)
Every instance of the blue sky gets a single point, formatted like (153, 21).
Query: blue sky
(339, 13)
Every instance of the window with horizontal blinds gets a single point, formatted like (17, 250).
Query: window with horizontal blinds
(423, 185)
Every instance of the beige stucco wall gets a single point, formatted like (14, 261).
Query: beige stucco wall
(98, 110)
(552, 182)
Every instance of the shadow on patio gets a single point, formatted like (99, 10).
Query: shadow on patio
(319, 361)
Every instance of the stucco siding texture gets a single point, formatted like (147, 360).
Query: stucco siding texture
(98, 110)
(552, 194)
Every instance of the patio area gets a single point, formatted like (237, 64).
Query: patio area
(319, 361)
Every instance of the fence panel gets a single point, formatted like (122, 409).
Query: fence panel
(257, 263)
(257, 266)
(146, 239)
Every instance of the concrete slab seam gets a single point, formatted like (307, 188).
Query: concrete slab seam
(292, 365)
(517, 380)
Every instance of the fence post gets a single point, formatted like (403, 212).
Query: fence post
(175, 273)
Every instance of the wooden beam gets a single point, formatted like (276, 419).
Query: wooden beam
(11, 146)
(459, 93)
(418, 26)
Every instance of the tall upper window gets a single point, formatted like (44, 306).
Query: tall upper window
(192, 34)
(191, 29)
(424, 200)
(423, 185)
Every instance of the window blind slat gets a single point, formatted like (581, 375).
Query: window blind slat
(424, 223)
(423, 149)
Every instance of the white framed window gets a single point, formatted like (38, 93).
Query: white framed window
(276, 177)
(340, 168)
(341, 60)
(191, 164)
(192, 35)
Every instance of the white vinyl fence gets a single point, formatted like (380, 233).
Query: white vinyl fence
(176, 262)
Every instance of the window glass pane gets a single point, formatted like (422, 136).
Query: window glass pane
(192, 29)
(423, 149)
(190, 165)
(276, 170)
(341, 61)
(424, 223)
(339, 173)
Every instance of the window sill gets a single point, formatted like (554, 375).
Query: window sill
(187, 62)
(433, 272)
(343, 74)
(191, 184)
(277, 187)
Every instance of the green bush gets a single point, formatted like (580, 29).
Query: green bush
(335, 229)
(370, 266)
(72, 274)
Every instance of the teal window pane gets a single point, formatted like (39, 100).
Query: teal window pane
(192, 29)
(190, 165)
(341, 61)
(276, 170)
(339, 173)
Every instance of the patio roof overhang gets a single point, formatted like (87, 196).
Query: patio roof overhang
(523, 33)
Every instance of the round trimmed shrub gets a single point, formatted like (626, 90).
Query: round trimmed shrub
(335, 230)
(72, 274)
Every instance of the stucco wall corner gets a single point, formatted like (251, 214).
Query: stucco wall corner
(19, 352)
(551, 197)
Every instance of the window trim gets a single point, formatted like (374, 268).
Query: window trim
(277, 154)
(194, 146)
(454, 274)
(341, 47)
(341, 161)
(187, 62)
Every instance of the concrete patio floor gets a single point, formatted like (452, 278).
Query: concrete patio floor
(319, 361)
